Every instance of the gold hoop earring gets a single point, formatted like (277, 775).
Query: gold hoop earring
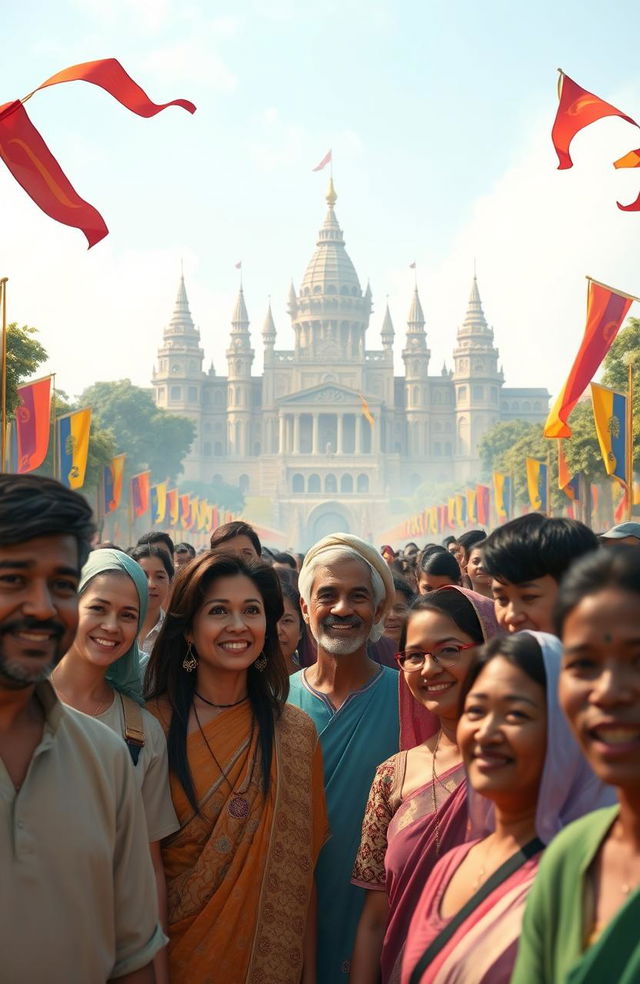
(260, 663)
(190, 661)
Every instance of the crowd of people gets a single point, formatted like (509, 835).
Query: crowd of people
(242, 766)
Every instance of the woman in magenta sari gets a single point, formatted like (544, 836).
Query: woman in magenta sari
(417, 805)
(527, 780)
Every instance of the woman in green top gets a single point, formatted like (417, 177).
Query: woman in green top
(583, 915)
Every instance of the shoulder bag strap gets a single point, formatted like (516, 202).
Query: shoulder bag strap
(133, 726)
(503, 872)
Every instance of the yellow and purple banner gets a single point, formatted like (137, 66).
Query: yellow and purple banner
(73, 447)
(610, 417)
(471, 506)
(113, 475)
(158, 503)
(173, 507)
(502, 495)
(33, 424)
(537, 474)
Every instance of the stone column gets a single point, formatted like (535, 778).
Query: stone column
(339, 429)
(296, 433)
(358, 438)
(315, 433)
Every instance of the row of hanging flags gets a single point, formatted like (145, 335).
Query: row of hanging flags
(30, 446)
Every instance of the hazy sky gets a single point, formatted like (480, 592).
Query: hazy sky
(439, 116)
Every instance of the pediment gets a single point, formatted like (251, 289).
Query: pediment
(329, 394)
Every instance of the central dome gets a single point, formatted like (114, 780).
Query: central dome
(330, 270)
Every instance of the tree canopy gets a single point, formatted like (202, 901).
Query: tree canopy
(152, 438)
(24, 355)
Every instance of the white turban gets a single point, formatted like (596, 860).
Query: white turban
(342, 546)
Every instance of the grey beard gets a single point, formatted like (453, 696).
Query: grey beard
(341, 647)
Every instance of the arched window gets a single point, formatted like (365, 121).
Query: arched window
(314, 483)
(330, 484)
(297, 483)
(363, 483)
(346, 483)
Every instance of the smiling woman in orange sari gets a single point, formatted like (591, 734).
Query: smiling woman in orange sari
(246, 779)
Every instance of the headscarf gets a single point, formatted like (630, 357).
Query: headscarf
(124, 675)
(568, 788)
(344, 545)
(416, 722)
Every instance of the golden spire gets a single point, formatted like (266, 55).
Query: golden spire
(331, 196)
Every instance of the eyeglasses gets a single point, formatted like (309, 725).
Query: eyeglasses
(445, 655)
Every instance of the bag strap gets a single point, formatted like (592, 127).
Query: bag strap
(133, 726)
(500, 875)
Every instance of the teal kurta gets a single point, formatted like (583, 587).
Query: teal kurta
(551, 947)
(355, 740)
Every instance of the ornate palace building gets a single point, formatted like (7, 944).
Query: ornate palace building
(301, 435)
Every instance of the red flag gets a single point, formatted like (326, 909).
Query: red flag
(109, 74)
(577, 108)
(140, 493)
(35, 168)
(482, 504)
(323, 163)
(620, 511)
(606, 310)
(33, 423)
(185, 511)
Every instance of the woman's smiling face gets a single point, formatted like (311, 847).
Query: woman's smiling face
(228, 631)
(109, 608)
(437, 686)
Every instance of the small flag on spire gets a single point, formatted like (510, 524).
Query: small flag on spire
(412, 266)
(239, 265)
(323, 163)
(366, 410)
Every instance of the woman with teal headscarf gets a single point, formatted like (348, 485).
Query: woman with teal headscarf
(100, 676)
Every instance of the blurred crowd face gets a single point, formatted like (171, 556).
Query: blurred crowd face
(600, 684)
(397, 617)
(289, 630)
(431, 582)
(158, 582)
(525, 606)
(239, 546)
(458, 552)
(181, 558)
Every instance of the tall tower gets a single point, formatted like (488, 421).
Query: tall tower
(416, 356)
(269, 411)
(177, 378)
(239, 360)
(330, 314)
(477, 381)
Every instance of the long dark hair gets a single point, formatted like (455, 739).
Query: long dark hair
(166, 677)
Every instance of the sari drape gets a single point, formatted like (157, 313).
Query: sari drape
(239, 874)
(401, 843)
(483, 948)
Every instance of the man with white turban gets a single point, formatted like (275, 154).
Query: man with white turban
(346, 590)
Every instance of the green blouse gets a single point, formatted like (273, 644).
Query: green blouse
(552, 948)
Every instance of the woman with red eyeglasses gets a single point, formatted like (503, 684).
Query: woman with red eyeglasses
(417, 805)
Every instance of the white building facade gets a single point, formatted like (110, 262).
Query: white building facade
(300, 434)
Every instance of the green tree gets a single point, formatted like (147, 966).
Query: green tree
(496, 442)
(24, 355)
(152, 438)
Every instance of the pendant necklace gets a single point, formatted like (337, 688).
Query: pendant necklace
(238, 806)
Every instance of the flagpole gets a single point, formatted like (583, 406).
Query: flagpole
(56, 463)
(630, 438)
(3, 372)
